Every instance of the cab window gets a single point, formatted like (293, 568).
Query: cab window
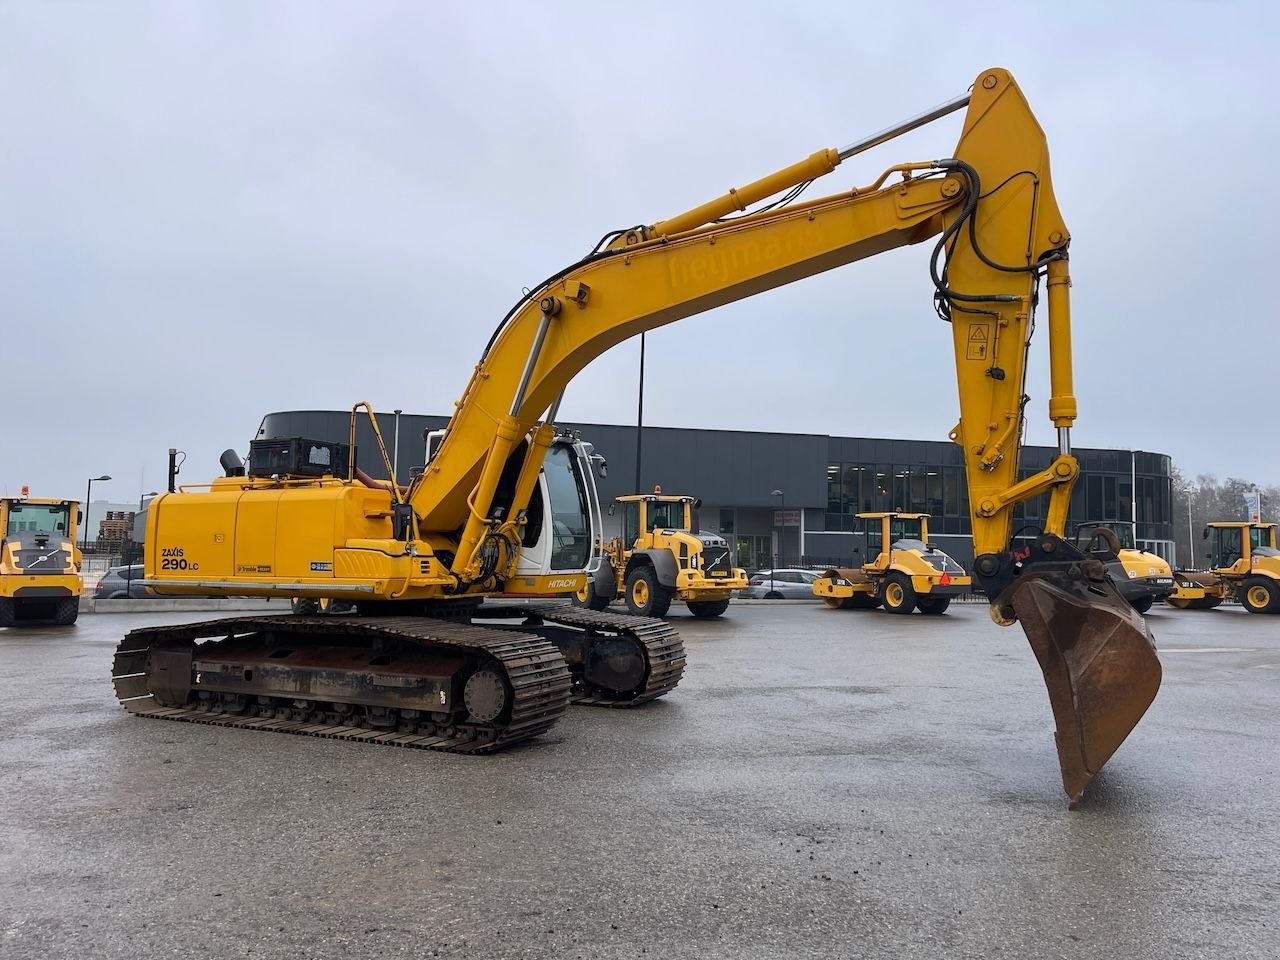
(666, 516)
(38, 518)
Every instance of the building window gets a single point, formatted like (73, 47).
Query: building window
(726, 521)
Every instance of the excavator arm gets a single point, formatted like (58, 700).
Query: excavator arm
(998, 237)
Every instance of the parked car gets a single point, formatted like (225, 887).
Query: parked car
(122, 583)
(791, 584)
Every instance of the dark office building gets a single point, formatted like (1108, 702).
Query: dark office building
(789, 498)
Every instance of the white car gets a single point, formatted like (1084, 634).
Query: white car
(788, 584)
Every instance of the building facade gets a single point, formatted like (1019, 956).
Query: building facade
(785, 499)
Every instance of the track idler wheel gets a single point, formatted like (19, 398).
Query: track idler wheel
(1098, 657)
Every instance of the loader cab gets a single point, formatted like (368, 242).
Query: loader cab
(643, 514)
(52, 518)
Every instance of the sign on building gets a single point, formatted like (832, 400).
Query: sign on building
(786, 518)
(1253, 506)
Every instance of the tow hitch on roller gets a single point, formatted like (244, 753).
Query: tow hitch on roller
(1096, 653)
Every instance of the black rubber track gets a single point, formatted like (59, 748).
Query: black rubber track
(538, 676)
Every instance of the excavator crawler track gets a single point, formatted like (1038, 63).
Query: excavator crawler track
(536, 678)
(656, 644)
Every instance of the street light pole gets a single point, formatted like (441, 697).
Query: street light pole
(88, 494)
(640, 416)
(782, 506)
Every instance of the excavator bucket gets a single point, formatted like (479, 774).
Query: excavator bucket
(1098, 658)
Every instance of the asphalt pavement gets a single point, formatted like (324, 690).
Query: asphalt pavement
(822, 784)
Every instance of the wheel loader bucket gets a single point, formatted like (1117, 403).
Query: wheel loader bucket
(1098, 658)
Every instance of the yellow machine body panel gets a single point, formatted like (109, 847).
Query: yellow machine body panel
(262, 538)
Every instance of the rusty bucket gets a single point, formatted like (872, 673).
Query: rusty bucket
(1098, 659)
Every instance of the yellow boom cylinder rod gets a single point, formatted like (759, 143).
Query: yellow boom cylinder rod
(738, 199)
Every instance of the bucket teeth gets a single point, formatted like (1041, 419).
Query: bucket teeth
(1099, 663)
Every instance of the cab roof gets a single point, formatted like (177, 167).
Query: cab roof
(1229, 524)
(892, 514)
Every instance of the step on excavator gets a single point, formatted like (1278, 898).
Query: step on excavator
(906, 572)
(1244, 565)
(663, 555)
(1141, 576)
(39, 561)
(426, 665)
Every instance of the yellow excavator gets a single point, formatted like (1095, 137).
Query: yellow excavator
(1244, 564)
(663, 555)
(426, 665)
(905, 573)
(39, 561)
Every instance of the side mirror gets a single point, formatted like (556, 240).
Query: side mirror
(612, 507)
(79, 516)
(1205, 535)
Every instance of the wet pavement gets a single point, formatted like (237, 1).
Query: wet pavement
(822, 784)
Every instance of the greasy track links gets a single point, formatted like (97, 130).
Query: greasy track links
(536, 672)
(663, 648)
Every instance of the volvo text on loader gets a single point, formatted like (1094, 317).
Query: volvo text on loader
(437, 672)
(663, 555)
(1141, 576)
(39, 561)
(1244, 565)
(905, 573)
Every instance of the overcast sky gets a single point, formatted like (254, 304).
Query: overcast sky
(213, 210)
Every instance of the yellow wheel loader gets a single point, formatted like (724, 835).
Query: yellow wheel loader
(663, 556)
(39, 561)
(1244, 564)
(1141, 576)
(426, 665)
(907, 574)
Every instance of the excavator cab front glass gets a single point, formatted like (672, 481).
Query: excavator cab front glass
(666, 516)
(570, 523)
(1228, 545)
(38, 518)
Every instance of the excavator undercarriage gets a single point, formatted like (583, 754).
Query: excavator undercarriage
(407, 681)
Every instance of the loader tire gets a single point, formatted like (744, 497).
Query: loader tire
(707, 609)
(646, 596)
(590, 598)
(1260, 595)
(67, 612)
(1142, 604)
(6, 612)
(933, 605)
(897, 594)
